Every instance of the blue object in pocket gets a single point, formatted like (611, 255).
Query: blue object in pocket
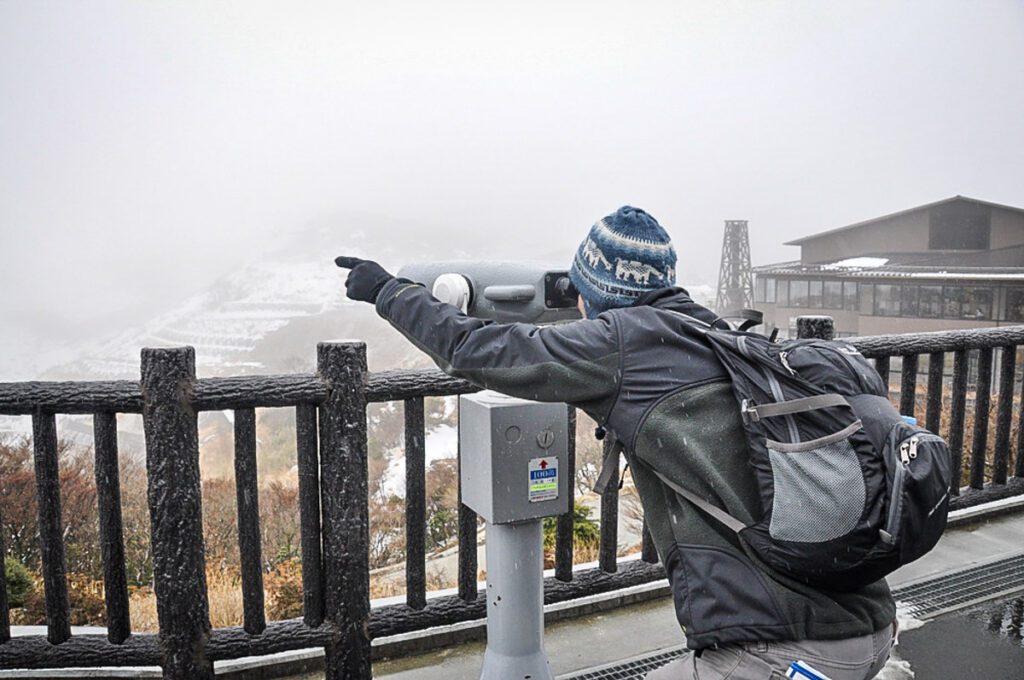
(798, 669)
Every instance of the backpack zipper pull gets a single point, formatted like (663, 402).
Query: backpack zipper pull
(913, 446)
(905, 452)
(785, 362)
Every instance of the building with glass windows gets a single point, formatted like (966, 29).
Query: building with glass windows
(956, 263)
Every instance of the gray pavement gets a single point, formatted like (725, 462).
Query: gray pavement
(627, 632)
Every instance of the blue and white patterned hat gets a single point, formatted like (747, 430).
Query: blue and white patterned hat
(625, 255)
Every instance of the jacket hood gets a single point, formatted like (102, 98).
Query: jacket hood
(677, 299)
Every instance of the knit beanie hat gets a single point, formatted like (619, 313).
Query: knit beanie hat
(625, 255)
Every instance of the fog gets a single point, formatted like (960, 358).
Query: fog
(147, 148)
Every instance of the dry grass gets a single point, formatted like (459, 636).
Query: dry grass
(387, 585)
(582, 554)
(142, 607)
(225, 596)
(920, 405)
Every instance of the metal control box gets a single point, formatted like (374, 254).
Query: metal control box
(513, 457)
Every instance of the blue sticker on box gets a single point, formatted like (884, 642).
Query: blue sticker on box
(543, 479)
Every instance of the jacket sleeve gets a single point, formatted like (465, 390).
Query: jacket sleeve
(575, 362)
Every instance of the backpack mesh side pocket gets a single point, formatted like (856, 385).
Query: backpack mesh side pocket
(819, 488)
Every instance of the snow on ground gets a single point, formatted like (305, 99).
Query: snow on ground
(441, 442)
(897, 668)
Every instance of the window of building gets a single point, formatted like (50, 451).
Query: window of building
(887, 300)
(782, 293)
(1015, 304)
(959, 226)
(977, 303)
(951, 296)
(799, 293)
(908, 301)
(833, 295)
(850, 295)
(764, 289)
(867, 298)
(815, 294)
(930, 302)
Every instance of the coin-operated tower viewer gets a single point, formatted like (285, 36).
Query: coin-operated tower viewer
(514, 467)
(514, 473)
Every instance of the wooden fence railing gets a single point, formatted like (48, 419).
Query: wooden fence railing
(331, 444)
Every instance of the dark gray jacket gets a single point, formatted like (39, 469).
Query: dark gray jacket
(663, 393)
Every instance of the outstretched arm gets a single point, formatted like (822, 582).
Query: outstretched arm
(575, 362)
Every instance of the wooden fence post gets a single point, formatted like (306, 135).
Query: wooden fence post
(821, 327)
(175, 511)
(344, 492)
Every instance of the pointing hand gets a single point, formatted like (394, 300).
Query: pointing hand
(365, 280)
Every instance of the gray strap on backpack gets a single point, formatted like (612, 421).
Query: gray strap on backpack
(785, 408)
(716, 512)
(609, 467)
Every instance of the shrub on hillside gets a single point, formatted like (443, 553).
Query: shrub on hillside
(284, 589)
(85, 597)
(586, 536)
(18, 581)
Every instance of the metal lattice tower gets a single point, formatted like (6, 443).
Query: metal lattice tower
(735, 285)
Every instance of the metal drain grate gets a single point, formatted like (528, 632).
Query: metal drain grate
(631, 669)
(959, 589)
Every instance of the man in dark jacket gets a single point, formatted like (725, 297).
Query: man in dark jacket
(663, 394)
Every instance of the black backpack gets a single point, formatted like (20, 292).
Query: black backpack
(850, 489)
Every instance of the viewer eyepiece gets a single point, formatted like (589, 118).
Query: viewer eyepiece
(501, 291)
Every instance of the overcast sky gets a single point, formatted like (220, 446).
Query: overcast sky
(147, 147)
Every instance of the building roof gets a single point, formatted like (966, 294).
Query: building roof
(992, 264)
(927, 206)
(883, 268)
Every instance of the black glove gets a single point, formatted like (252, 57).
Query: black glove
(365, 280)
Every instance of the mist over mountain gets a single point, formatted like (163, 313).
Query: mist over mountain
(267, 315)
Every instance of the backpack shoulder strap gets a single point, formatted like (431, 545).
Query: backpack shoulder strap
(609, 467)
(715, 512)
(745, 318)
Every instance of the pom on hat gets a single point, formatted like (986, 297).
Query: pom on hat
(625, 255)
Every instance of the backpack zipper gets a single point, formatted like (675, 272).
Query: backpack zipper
(773, 382)
(908, 452)
(917, 438)
(896, 497)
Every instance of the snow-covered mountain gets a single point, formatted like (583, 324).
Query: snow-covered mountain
(263, 317)
(231, 323)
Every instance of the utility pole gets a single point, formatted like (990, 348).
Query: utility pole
(735, 285)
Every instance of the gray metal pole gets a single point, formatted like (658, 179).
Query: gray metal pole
(515, 603)
(513, 472)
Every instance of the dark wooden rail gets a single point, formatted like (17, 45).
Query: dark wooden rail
(331, 440)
